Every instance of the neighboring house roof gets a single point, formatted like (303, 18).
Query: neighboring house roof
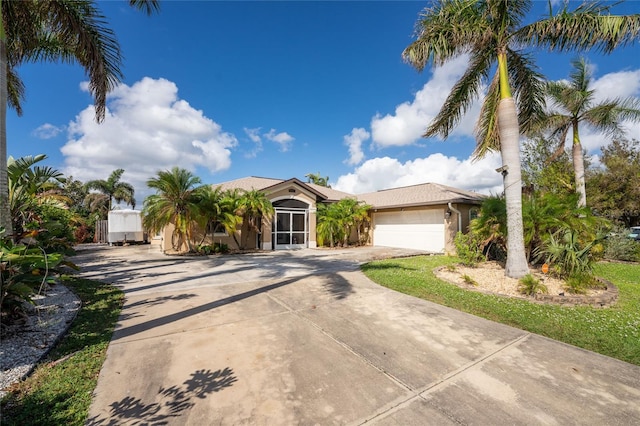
(419, 195)
(406, 196)
(261, 183)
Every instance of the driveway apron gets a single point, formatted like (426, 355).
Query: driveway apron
(303, 337)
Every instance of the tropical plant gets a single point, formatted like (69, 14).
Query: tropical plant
(569, 255)
(31, 186)
(490, 227)
(114, 189)
(24, 270)
(573, 105)
(253, 205)
(216, 208)
(530, 285)
(174, 203)
(316, 178)
(613, 189)
(54, 30)
(491, 31)
(329, 227)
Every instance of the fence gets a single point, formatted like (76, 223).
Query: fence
(102, 231)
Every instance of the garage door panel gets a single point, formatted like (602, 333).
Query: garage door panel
(418, 229)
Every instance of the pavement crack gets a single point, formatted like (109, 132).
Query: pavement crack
(448, 377)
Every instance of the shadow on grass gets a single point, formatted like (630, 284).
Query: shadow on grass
(169, 402)
(375, 266)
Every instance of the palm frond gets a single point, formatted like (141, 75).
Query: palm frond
(463, 94)
(528, 86)
(444, 31)
(589, 26)
(486, 129)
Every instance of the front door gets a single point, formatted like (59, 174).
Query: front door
(290, 229)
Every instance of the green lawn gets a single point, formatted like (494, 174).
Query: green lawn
(59, 391)
(611, 331)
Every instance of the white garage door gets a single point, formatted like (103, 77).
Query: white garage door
(415, 229)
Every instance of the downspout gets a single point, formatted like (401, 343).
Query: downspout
(456, 211)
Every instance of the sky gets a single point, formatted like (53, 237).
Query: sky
(276, 89)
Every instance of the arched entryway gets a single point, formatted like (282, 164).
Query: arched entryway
(290, 227)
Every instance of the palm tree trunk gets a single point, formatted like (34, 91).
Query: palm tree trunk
(5, 212)
(508, 128)
(578, 167)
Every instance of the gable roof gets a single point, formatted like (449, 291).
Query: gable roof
(420, 195)
(261, 183)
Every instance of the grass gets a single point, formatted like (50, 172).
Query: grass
(613, 331)
(59, 391)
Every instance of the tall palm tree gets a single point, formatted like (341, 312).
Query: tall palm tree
(54, 30)
(253, 206)
(493, 34)
(317, 179)
(114, 189)
(572, 104)
(174, 203)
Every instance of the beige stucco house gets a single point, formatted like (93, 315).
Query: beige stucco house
(424, 217)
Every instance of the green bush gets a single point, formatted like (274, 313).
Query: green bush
(529, 285)
(469, 248)
(568, 255)
(23, 272)
(619, 247)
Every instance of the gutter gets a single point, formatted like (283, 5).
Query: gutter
(453, 209)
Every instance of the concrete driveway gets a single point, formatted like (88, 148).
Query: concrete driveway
(303, 337)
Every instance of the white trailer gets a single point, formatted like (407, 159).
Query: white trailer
(125, 226)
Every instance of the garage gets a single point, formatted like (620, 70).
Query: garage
(415, 229)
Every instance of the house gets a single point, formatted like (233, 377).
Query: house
(424, 217)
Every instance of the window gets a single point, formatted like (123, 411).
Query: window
(474, 212)
(218, 229)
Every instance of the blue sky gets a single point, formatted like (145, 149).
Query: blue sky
(274, 89)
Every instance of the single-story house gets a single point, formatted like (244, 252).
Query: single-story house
(424, 217)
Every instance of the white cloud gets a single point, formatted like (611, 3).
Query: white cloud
(254, 136)
(384, 172)
(47, 131)
(283, 139)
(410, 120)
(147, 128)
(354, 141)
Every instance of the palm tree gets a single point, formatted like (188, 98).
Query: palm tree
(114, 189)
(252, 206)
(317, 179)
(175, 203)
(217, 207)
(572, 104)
(54, 30)
(491, 32)
(329, 226)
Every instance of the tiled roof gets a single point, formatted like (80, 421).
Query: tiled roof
(330, 193)
(248, 183)
(419, 195)
(415, 195)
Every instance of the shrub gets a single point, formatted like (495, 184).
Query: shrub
(529, 285)
(568, 255)
(469, 249)
(619, 247)
(23, 272)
